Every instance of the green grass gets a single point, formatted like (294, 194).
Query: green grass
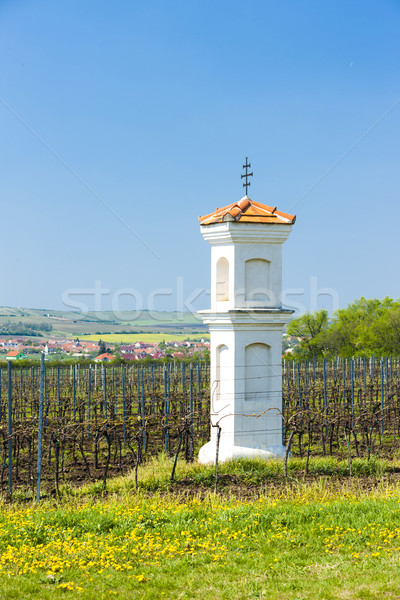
(154, 475)
(304, 541)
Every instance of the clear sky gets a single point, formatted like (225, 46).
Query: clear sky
(122, 122)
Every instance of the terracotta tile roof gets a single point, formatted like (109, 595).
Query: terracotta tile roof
(128, 356)
(248, 211)
(13, 353)
(105, 356)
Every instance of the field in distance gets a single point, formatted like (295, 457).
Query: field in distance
(147, 338)
(18, 321)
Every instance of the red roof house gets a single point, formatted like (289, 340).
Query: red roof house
(106, 357)
(14, 355)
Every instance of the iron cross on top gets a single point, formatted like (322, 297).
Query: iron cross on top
(246, 166)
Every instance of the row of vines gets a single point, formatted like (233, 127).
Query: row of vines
(78, 423)
(342, 405)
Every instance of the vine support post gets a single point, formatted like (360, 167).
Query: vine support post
(89, 395)
(217, 454)
(21, 396)
(1, 387)
(191, 451)
(325, 394)
(124, 404)
(58, 396)
(352, 395)
(382, 398)
(365, 373)
(9, 374)
(74, 392)
(199, 385)
(166, 409)
(40, 432)
(300, 398)
(105, 392)
(143, 411)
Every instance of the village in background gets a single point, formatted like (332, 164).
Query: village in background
(64, 335)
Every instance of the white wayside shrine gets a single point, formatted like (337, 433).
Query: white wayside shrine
(246, 321)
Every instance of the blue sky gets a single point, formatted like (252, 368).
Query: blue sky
(128, 120)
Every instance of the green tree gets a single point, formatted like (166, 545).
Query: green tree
(356, 329)
(311, 329)
(384, 333)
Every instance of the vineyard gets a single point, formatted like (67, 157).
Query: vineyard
(77, 423)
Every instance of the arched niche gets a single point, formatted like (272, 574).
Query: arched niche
(222, 284)
(257, 280)
(223, 370)
(257, 372)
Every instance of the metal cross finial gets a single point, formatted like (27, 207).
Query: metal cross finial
(246, 166)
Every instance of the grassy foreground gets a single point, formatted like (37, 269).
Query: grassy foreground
(311, 540)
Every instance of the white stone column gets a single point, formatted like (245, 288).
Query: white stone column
(246, 322)
(245, 383)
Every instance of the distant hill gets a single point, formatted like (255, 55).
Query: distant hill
(72, 324)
